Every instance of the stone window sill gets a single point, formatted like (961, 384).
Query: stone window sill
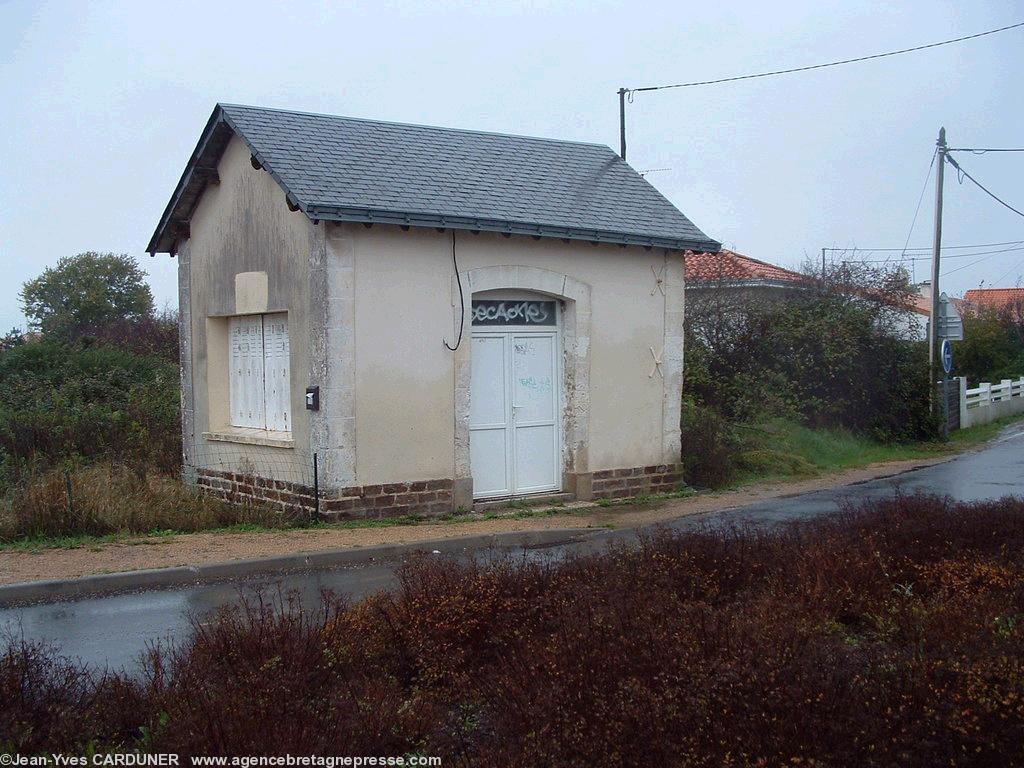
(251, 437)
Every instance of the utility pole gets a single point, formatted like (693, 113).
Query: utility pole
(622, 121)
(823, 264)
(933, 331)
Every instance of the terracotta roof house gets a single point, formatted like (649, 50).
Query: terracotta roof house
(438, 316)
(998, 298)
(743, 278)
(734, 270)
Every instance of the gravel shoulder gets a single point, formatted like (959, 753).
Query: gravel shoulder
(206, 548)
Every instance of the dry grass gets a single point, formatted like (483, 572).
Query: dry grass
(887, 636)
(107, 498)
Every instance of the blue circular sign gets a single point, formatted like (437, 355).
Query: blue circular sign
(947, 356)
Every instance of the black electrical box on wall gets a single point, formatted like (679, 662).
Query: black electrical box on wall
(312, 398)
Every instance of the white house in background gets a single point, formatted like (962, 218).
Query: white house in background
(440, 315)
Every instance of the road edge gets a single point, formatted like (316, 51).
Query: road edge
(107, 584)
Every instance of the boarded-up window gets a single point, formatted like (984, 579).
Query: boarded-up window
(259, 377)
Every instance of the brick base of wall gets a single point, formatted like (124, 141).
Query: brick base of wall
(239, 488)
(424, 498)
(636, 481)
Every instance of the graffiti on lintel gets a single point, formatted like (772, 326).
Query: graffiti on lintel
(494, 312)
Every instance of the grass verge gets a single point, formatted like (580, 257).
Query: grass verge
(782, 449)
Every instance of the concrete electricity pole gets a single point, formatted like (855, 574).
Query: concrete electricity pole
(933, 331)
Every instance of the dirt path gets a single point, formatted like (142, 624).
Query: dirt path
(202, 548)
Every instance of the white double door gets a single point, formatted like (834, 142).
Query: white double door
(514, 421)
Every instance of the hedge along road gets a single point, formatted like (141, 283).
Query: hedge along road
(114, 630)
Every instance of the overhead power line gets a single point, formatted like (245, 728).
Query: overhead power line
(929, 248)
(948, 256)
(968, 265)
(628, 92)
(981, 151)
(980, 186)
(919, 201)
(827, 64)
(1012, 269)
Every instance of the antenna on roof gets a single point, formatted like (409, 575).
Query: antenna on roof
(622, 121)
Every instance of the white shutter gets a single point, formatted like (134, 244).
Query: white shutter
(246, 377)
(277, 388)
(235, 370)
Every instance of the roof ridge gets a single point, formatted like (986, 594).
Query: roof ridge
(764, 263)
(544, 139)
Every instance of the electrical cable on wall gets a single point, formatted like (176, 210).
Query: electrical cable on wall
(462, 300)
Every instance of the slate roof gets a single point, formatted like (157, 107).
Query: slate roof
(732, 267)
(349, 169)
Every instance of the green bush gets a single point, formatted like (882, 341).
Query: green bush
(709, 455)
(61, 403)
(827, 357)
(992, 348)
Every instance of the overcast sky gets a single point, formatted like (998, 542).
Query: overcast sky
(102, 103)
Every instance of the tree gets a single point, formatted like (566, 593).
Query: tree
(86, 291)
(13, 339)
(992, 347)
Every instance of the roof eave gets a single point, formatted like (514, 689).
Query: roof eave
(162, 241)
(470, 223)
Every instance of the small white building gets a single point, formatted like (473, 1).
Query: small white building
(439, 315)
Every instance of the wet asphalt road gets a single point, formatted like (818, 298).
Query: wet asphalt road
(113, 631)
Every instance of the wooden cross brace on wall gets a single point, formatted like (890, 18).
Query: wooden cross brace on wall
(659, 279)
(657, 363)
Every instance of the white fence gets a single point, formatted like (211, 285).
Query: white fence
(989, 402)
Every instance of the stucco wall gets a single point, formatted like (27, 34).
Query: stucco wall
(242, 225)
(368, 312)
(405, 378)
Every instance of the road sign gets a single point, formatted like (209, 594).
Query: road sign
(951, 325)
(947, 356)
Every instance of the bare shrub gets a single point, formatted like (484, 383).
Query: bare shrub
(885, 636)
(50, 701)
